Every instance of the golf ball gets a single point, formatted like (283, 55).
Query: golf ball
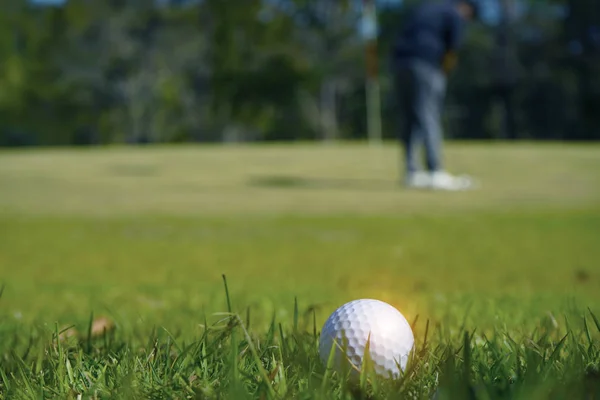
(352, 325)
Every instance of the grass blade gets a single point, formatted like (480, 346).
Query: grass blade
(586, 330)
(366, 365)
(596, 321)
(283, 347)
(89, 333)
(314, 324)
(329, 367)
(556, 351)
(263, 373)
(295, 314)
(227, 293)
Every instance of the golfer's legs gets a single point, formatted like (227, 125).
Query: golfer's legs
(431, 86)
(410, 133)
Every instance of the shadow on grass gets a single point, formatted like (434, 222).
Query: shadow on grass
(136, 171)
(296, 182)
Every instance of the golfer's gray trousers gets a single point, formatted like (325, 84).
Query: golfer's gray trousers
(421, 90)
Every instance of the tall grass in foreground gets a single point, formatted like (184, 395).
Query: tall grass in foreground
(229, 360)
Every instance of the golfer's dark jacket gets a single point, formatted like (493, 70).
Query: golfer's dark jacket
(432, 29)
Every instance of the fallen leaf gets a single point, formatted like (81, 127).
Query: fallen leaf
(102, 325)
(67, 332)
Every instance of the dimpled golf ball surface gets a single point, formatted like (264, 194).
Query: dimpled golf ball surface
(390, 342)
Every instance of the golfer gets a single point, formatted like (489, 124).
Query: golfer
(423, 55)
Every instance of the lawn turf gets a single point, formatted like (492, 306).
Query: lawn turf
(144, 236)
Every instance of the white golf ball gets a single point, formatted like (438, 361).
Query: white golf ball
(388, 332)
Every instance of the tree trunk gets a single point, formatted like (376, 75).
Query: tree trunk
(506, 68)
(329, 123)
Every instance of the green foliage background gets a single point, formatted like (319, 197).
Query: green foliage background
(105, 72)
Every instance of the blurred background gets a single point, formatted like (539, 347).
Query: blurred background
(142, 71)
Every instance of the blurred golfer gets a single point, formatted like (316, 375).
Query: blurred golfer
(423, 55)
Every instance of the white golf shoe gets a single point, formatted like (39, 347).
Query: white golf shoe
(441, 180)
(438, 180)
(418, 180)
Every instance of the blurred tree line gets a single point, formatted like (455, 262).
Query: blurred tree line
(140, 71)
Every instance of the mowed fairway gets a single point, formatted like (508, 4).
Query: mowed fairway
(144, 236)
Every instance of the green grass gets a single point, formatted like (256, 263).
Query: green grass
(502, 284)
